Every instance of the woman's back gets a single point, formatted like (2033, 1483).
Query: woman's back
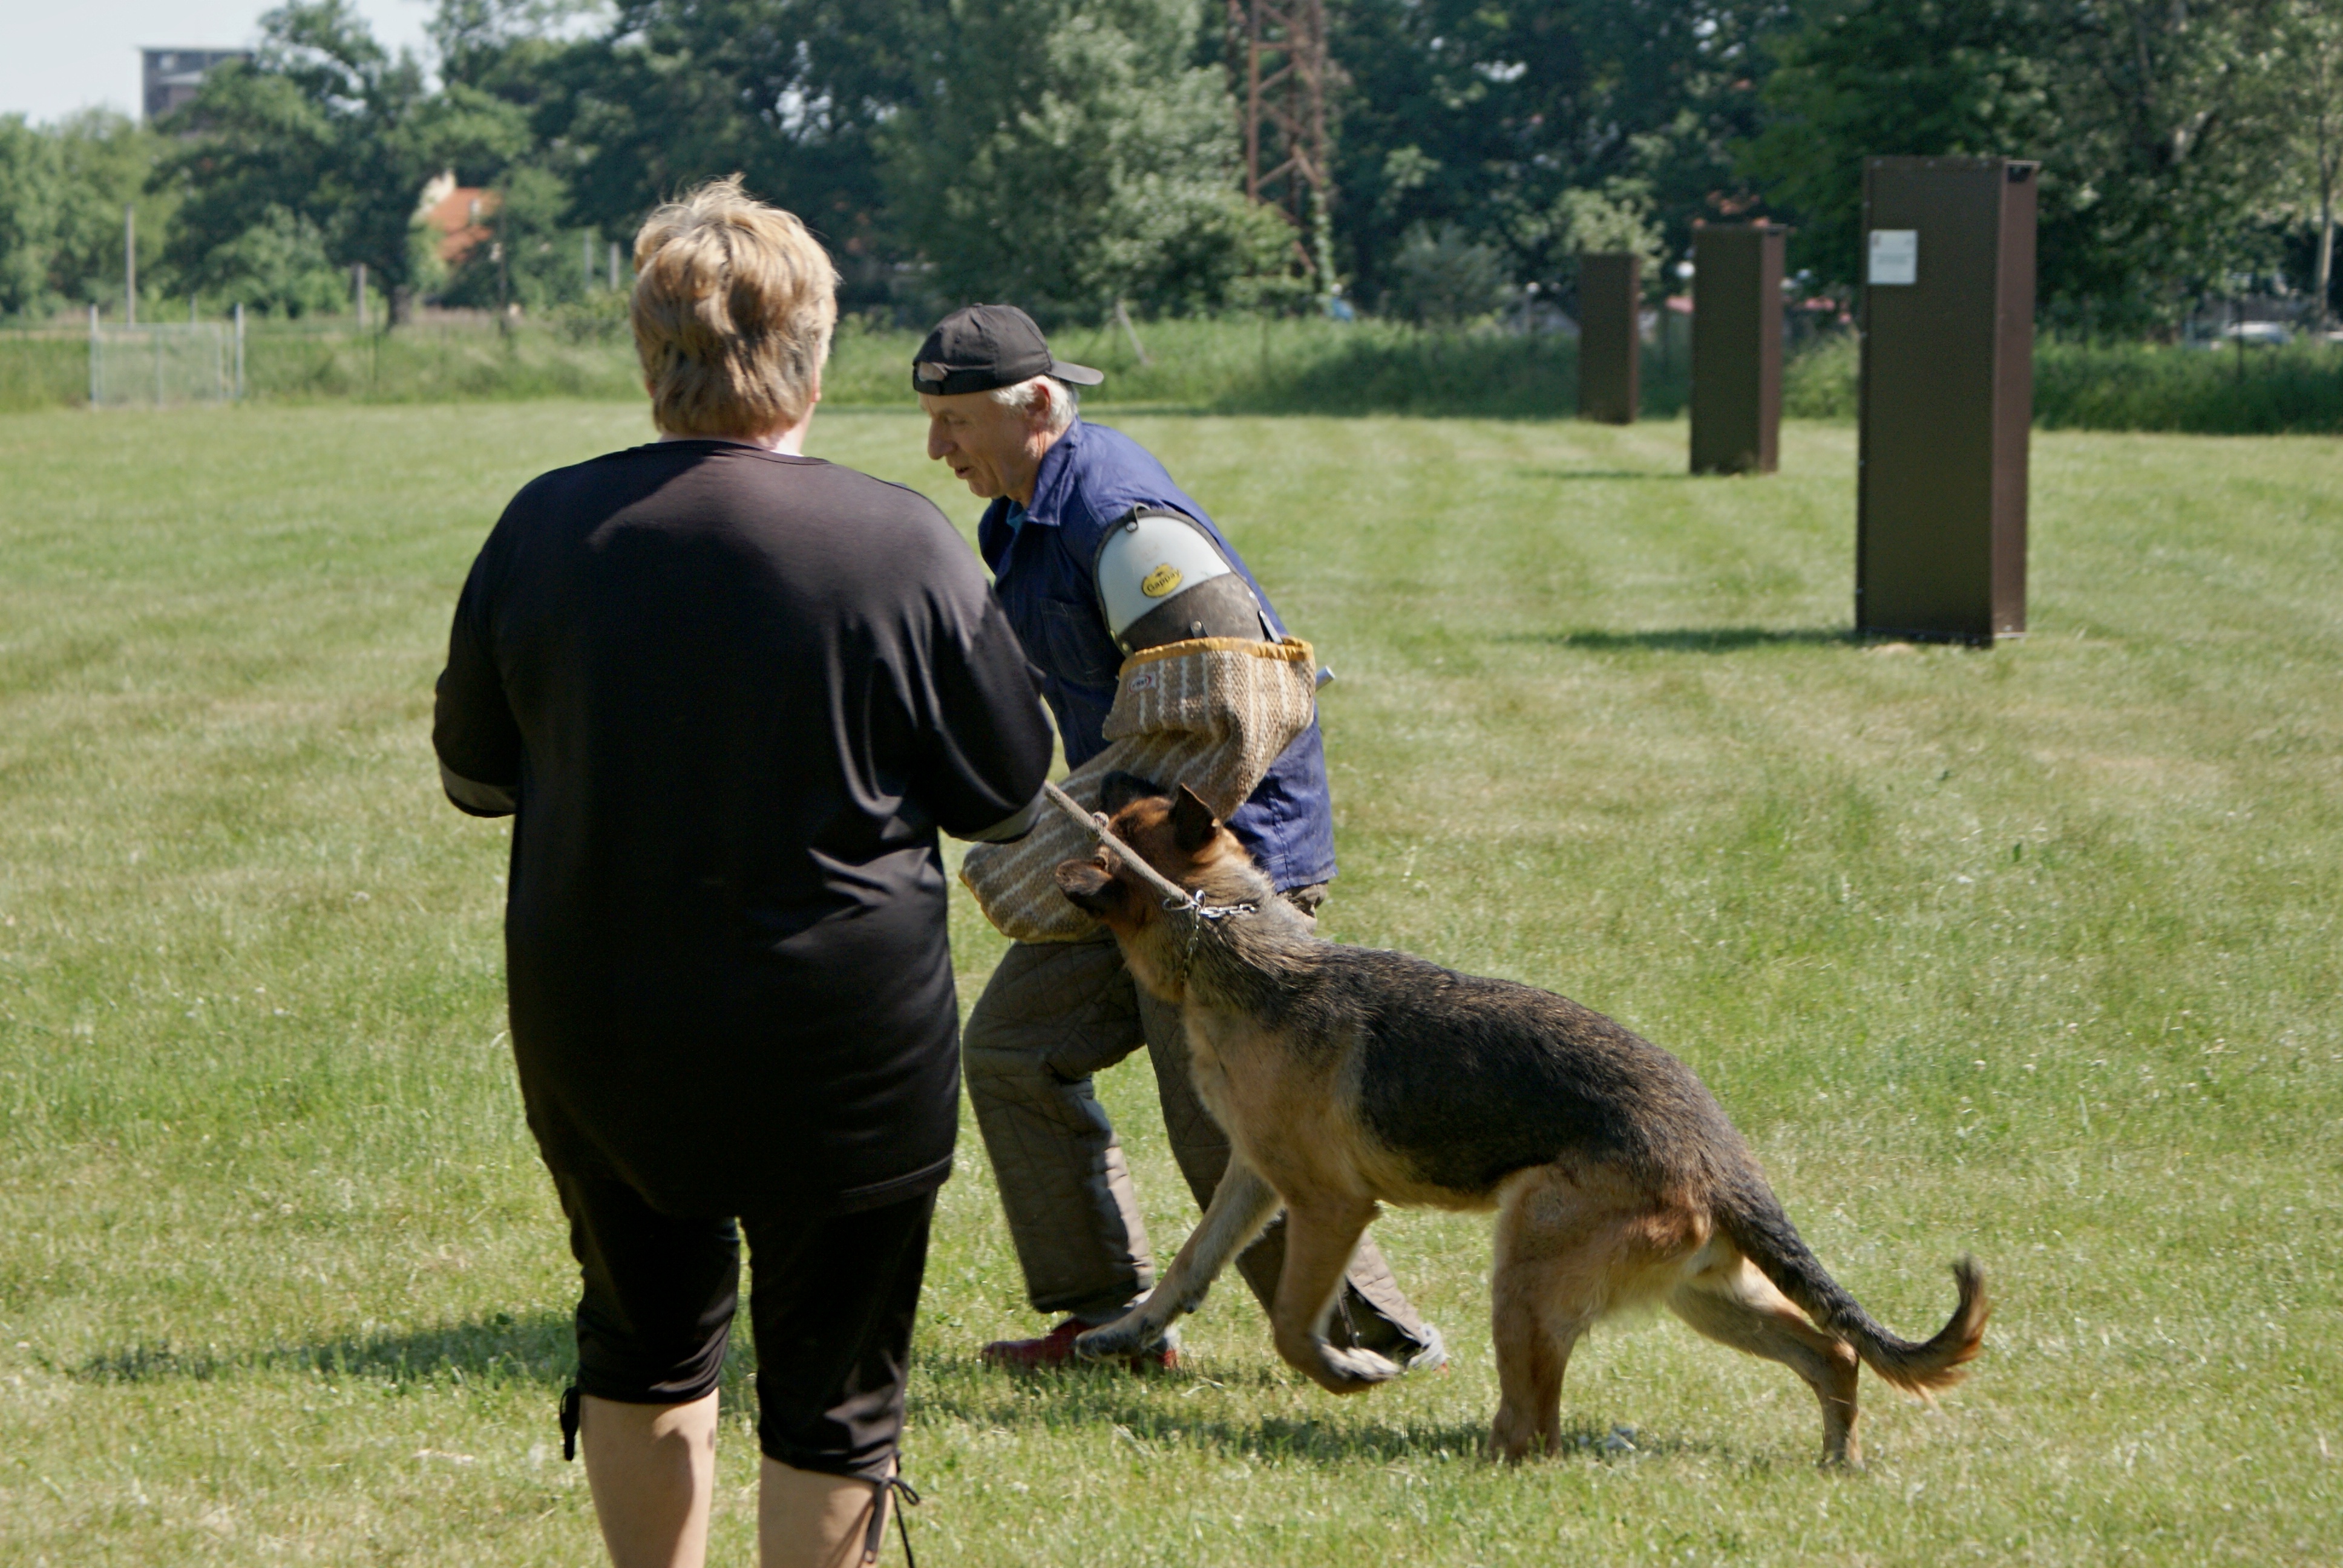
(739, 691)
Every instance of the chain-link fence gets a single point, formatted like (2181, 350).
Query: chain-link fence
(180, 362)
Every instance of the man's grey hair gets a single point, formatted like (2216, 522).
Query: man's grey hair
(1064, 401)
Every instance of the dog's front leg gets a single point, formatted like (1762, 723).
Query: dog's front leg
(1242, 1204)
(1320, 1238)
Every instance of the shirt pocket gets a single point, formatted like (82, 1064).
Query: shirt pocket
(1074, 645)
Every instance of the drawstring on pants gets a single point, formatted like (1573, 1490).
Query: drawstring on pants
(878, 1530)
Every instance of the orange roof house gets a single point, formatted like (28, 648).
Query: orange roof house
(458, 214)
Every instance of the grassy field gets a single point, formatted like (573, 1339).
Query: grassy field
(2031, 952)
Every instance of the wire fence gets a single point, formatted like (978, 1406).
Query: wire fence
(165, 363)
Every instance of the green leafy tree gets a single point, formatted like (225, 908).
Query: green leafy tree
(2306, 70)
(108, 161)
(62, 191)
(31, 193)
(278, 266)
(1446, 279)
(327, 126)
(2142, 114)
(1488, 117)
(1939, 77)
(788, 93)
(1067, 156)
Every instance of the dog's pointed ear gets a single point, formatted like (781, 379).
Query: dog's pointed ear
(1193, 822)
(1119, 789)
(1092, 890)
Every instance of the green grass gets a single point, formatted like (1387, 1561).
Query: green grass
(2031, 952)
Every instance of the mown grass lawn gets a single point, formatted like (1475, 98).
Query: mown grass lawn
(2032, 953)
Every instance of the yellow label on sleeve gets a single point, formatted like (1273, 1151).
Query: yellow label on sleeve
(1160, 581)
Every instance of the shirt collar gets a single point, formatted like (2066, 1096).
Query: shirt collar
(1050, 481)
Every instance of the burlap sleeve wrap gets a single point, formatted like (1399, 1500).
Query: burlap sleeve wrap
(1212, 713)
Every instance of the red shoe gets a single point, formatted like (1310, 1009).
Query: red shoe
(1056, 1349)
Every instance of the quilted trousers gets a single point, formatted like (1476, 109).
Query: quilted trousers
(1052, 1015)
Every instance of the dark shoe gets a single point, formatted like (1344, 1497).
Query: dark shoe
(1056, 1349)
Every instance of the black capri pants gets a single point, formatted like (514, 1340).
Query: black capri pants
(832, 1310)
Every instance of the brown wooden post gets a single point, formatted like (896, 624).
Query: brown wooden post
(1610, 335)
(1948, 398)
(1737, 347)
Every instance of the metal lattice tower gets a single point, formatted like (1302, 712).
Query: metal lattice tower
(1277, 55)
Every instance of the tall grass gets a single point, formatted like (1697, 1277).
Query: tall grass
(1280, 365)
(43, 369)
(1267, 366)
(2189, 390)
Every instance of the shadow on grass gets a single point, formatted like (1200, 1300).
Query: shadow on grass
(1699, 639)
(1099, 1404)
(1609, 474)
(1174, 1411)
(533, 1347)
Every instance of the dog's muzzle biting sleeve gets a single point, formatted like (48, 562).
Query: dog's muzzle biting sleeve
(1212, 713)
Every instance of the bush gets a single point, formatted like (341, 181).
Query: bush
(1445, 279)
(1819, 380)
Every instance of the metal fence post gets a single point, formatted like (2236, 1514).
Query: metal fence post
(239, 351)
(96, 390)
(1948, 398)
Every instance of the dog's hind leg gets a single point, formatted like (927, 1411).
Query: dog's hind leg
(1544, 1292)
(1242, 1204)
(1320, 1238)
(1738, 1306)
(1531, 1357)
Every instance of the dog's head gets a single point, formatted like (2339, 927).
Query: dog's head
(1176, 833)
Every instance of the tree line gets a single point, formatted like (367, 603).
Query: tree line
(1078, 155)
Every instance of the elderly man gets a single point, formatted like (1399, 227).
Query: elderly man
(1067, 499)
(731, 694)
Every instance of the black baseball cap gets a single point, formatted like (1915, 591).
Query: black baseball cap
(982, 346)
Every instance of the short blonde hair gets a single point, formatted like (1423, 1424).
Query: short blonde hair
(733, 307)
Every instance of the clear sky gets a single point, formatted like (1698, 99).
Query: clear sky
(59, 55)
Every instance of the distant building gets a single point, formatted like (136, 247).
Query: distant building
(458, 214)
(170, 77)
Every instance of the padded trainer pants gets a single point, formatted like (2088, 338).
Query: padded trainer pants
(1053, 1014)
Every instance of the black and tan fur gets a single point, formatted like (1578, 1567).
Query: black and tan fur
(1347, 1078)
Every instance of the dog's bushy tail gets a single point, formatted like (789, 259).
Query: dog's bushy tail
(1752, 1217)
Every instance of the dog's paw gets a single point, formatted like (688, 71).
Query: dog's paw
(1126, 1336)
(1352, 1372)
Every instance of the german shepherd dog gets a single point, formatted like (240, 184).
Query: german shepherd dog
(1346, 1078)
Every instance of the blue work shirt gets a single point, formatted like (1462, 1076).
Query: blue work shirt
(1043, 572)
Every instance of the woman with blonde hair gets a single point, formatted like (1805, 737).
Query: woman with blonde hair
(729, 694)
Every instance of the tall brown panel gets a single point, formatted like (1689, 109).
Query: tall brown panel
(1610, 335)
(1737, 347)
(1948, 398)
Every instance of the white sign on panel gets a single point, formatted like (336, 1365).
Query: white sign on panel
(1895, 256)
